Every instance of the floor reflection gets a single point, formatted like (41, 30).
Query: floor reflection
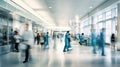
(80, 56)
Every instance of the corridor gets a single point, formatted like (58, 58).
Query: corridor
(80, 56)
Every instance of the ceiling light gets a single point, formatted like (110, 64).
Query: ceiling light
(26, 7)
(90, 7)
(50, 7)
(35, 4)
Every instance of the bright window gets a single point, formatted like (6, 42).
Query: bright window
(108, 14)
(108, 31)
(100, 17)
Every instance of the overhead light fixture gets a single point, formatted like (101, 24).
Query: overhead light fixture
(90, 7)
(50, 7)
(26, 7)
(35, 4)
(77, 18)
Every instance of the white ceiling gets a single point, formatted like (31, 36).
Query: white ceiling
(60, 12)
(64, 10)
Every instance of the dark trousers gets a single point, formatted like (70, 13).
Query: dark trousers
(38, 41)
(16, 46)
(42, 43)
(27, 52)
(12, 45)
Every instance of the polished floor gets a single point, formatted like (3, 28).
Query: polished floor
(80, 56)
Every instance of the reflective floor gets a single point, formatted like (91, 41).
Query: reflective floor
(80, 56)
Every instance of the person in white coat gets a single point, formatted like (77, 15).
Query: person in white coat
(28, 40)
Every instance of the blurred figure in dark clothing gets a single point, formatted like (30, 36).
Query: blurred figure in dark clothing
(38, 38)
(113, 40)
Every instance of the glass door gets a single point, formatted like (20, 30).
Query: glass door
(108, 31)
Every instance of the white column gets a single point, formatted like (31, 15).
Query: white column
(118, 25)
(92, 24)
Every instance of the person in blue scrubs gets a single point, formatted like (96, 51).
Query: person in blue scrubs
(66, 42)
(47, 40)
(93, 38)
(82, 39)
(102, 41)
(98, 42)
(69, 42)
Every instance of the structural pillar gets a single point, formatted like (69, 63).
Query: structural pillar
(118, 25)
(92, 24)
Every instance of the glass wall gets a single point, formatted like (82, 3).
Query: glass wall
(4, 27)
(106, 18)
(85, 27)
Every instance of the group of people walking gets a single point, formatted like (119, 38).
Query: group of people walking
(28, 39)
(98, 40)
(42, 39)
(101, 43)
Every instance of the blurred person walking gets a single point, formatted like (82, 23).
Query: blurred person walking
(82, 40)
(42, 39)
(102, 41)
(17, 40)
(113, 40)
(11, 36)
(93, 37)
(28, 40)
(47, 40)
(67, 40)
(38, 38)
(54, 38)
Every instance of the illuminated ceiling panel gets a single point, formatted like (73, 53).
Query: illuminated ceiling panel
(59, 12)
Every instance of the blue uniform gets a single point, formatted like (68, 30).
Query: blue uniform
(46, 40)
(94, 42)
(81, 39)
(102, 42)
(69, 45)
(66, 42)
(98, 41)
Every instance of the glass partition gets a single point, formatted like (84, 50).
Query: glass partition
(4, 30)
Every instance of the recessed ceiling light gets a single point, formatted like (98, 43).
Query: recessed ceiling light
(90, 7)
(50, 7)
